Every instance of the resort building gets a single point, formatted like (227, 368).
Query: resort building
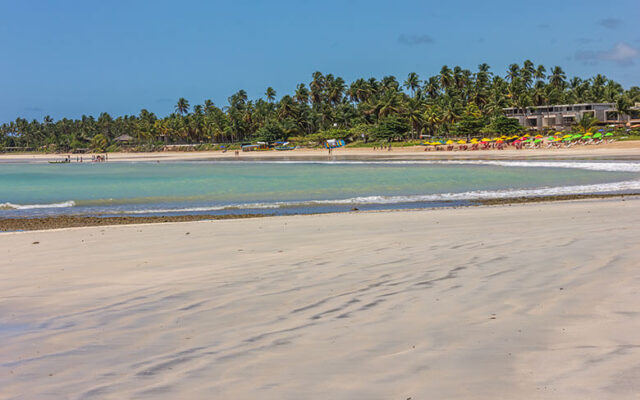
(564, 115)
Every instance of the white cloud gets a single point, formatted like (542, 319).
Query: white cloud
(621, 53)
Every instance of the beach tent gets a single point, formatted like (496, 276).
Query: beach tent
(333, 143)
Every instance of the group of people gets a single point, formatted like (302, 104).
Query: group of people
(388, 148)
(94, 158)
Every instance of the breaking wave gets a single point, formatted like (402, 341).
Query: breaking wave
(11, 206)
(625, 186)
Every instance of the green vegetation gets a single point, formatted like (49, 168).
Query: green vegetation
(454, 102)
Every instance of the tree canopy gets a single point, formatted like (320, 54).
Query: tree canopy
(455, 100)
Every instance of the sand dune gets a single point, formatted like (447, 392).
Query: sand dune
(528, 301)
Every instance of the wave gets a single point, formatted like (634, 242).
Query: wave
(12, 206)
(585, 165)
(624, 186)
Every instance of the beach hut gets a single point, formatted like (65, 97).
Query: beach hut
(124, 139)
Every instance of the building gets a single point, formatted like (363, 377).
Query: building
(564, 115)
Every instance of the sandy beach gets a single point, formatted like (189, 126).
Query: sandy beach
(625, 149)
(535, 301)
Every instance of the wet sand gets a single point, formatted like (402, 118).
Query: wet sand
(76, 221)
(535, 301)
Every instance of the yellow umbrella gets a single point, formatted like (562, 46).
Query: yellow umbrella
(449, 141)
(461, 142)
(588, 134)
(486, 140)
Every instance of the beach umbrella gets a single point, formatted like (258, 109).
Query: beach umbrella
(461, 142)
(537, 141)
(485, 140)
(608, 134)
(449, 141)
(499, 140)
(566, 139)
(550, 138)
(557, 139)
(588, 134)
(597, 135)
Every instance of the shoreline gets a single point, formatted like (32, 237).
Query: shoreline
(616, 150)
(11, 225)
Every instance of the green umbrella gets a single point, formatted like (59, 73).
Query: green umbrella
(597, 135)
(608, 134)
(550, 138)
(578, 136)
(537, 141)
(566, 139)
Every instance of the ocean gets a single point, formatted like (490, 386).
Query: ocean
(292, 187)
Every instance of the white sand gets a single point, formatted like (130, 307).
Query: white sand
(605, 150)
(537, 301)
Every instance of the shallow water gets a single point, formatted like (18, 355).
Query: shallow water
(292, 187)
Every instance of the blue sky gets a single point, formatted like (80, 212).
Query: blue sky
(68, 58)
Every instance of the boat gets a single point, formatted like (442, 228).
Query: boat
(60, 162)
(283, 148)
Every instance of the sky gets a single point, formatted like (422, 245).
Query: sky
(68, 58)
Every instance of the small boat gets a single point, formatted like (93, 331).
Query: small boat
(60, 162)
(283, 148)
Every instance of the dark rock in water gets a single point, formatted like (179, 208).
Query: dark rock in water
(355, 209)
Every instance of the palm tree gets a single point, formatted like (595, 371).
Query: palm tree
(412, 83)
(432, 87)
(182, 106)
(270, 93)
(557, 77)
(527, 72)
(513, 72)
(586, 123)
(432, 118)
(446, 80)
(623, 107)
(540, 72)
(413, 113)
(302, 94)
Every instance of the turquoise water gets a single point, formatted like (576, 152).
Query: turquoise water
(289, 187)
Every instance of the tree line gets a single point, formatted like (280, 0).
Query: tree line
(454, 101)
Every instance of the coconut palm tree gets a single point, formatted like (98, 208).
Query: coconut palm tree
(270, 94)
(182, 106)
(557, 77)
(412, 83)
(432, 117)
(302, 94)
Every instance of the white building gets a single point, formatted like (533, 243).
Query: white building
(564, 115)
